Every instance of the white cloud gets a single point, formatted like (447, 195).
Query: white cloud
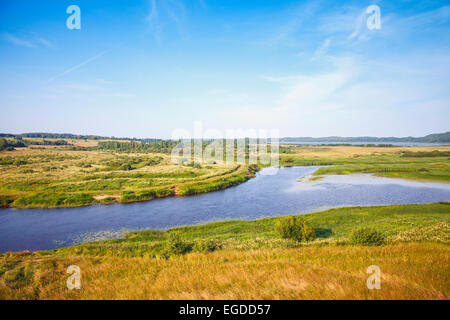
(45, 42)
(27, 43)
(353, 98)
(359, 25)
(17, 41)
(322, 50)
(77, 66)
(163, 13)
(433, 17)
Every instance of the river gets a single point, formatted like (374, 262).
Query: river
(263, 196)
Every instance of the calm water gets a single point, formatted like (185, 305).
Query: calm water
(263, 196)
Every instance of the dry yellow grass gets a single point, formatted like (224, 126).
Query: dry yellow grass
(408, 271)
(351, 151)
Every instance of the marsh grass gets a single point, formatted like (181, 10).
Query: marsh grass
(386, 164)
(54, 178)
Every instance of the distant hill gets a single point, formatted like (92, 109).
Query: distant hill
(68, 136)
(431, 138)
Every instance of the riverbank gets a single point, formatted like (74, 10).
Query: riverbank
(54, 178)
(247, 260)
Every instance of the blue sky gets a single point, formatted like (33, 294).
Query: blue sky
(146, 68)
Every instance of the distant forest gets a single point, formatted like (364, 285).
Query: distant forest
(69, 136)
(18, 142)
(431, 138)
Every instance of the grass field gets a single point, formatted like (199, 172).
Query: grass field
(56, 177)
(417, 163)
(249, 261)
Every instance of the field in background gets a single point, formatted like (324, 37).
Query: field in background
(249, 261)
(424, 163)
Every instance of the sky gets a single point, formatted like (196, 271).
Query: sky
(147, 68)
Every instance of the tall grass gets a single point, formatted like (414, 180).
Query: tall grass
(248, 260)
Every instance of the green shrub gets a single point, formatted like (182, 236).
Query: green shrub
(19, 162)
(126, 167)
(197, 166)
(144, 195)
(308, 233)
(5, 201)
(176, 245)
(367, 237)
(206, 246)
(295, 228)
(84, 165)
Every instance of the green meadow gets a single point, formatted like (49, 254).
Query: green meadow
(416, 163)
(58, 176)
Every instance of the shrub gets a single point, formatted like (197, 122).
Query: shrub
(176, 245)
(308, 233)
(5, 201)
(19, 162)
(367, 237)
(126, 167)
(295, 228)
(206, 246)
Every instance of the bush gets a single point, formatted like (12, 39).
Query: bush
(5, 201)
(295, 228)
(367, 237)
(176, 245)
(126, 167)
(19, 162)
(206, 246)
(308, 233)
(197, 166)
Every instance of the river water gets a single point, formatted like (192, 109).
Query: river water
(264, 196)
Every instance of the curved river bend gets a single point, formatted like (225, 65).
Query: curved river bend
(263, 196)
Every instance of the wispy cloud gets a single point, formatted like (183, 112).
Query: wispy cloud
(322, 50)
(77, 66)
(359, 25)
(433, 17)
(163, 13)
(45, 42)
(37, 40)
(17, 41)
(352, 88)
